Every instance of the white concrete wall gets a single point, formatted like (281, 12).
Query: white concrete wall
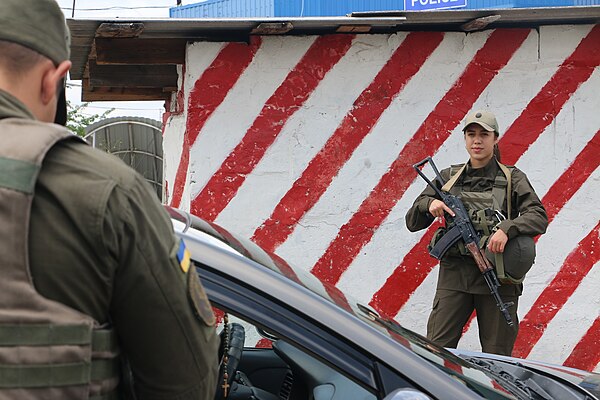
(305, 145)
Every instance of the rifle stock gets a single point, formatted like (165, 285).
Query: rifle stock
(466, 232)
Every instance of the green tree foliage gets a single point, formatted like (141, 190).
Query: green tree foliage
(78, 119)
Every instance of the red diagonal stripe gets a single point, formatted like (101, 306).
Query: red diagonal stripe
(542, 110)
(448, 113)
(338, 297)
(219, 315)
(586, 355)
(571, 180)
(180, 175)
(230, 239)
(555, 295)
(208, 93)
(456, 367)
(366, 110)
(279, 262)
(333, 292)
(417, 264)
(324, 53)
(285, 268)
(405, 279)
(453, 366)
(264, 344)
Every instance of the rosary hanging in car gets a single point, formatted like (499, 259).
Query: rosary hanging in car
(225, 384)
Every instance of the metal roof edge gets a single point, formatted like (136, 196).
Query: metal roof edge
(171, 32)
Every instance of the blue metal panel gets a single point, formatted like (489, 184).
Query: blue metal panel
(496, 4)
(324, 8)
(332, 7)
(482, 4)
(290, 8)
(544, 3)
(225, 9)
(281, 8)
(327, 8)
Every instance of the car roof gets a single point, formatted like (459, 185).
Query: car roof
(320, 300)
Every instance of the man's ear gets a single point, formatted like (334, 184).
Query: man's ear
(50, 80)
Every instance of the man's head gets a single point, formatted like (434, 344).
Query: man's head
(34, 53)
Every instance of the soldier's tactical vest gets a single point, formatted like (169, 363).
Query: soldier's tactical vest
(47, 350)
(481, 207)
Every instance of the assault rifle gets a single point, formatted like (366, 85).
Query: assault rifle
(463, 229)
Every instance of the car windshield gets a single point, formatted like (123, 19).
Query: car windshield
(472, 376)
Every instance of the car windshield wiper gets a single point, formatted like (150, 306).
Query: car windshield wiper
(522, 389)
(527, 389)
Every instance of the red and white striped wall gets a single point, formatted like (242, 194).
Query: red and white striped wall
(305, 145)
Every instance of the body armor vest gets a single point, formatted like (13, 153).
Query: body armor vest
(482, 206)
(484, 209)
(47, 350)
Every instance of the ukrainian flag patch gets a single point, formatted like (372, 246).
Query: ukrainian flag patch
(183, 257)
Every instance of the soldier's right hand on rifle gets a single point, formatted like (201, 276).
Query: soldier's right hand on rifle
(438, 207)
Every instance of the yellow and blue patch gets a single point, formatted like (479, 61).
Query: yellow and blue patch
(183, 257)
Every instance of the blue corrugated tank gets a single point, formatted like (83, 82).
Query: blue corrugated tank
(326, 8)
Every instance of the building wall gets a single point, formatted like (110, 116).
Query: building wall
(306, 145)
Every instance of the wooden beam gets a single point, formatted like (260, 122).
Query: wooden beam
(121, 94)
(119, 29)
(140, 51)
(272, 28)
(133, 76)
(354, 29)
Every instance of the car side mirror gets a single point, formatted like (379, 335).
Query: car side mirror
(407, 394)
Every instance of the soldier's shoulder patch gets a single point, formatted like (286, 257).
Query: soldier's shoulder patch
(183, 257)
(199, 299)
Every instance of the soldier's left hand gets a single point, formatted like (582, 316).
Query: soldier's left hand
(497, 241)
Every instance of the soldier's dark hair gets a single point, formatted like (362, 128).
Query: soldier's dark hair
(497, 152)
(17, 59)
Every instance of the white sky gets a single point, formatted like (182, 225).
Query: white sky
(126, 9)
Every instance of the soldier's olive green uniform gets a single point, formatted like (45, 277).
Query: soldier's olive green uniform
(101, 243)
(461, 287)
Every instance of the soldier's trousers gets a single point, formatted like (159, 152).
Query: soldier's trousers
(451, 311)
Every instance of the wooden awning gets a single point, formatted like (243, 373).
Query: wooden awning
(138, 60)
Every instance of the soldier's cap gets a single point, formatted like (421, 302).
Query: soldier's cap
(483, 118)
(37, 24)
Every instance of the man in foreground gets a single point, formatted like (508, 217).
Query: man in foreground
(94, 286)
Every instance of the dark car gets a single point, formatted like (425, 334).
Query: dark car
(315, 342)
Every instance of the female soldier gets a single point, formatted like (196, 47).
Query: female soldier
(485, 186)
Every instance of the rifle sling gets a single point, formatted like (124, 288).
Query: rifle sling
(448, 185)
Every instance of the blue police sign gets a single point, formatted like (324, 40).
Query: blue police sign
(424, 5)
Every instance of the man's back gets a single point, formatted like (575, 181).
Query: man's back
(89, 256)
(101, 243)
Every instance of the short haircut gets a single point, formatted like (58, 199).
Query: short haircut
(16, 59)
